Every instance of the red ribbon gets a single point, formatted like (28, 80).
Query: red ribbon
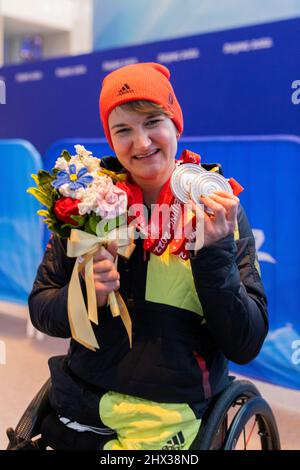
(237, 188)
(190, 157)
(160, 231)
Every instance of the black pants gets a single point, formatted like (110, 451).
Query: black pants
(59, 437)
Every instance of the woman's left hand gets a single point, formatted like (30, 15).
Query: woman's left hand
(223, 220)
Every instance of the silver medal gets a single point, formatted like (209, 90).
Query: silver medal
(207, 183)
(182, 180)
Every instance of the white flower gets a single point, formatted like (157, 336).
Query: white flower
(61, 164)
(83, 158)
(81, 151)
(101, 180)
(88, 196)
(88, 199)
(87, 159)
(78, 163)
(94, 198)
(67, 192)
(92, 163)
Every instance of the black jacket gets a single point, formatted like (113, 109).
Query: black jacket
(177, 356)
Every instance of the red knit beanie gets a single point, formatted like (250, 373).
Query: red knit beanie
(143, 81)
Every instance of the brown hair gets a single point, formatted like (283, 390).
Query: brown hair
(145, 107)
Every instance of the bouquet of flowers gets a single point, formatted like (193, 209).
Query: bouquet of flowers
(85, 206)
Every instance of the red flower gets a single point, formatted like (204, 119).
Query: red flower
(64, 208)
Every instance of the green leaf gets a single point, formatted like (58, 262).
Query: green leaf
(35, 178)
(45, 177)
(56, 226)
(91, 223)
(41, 196)
(47, 189)
(54, 195)
(80, 219)
(43, 213)
(65, 154)
(43, 181)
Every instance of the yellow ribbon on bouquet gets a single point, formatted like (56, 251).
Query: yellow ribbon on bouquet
(84, 245)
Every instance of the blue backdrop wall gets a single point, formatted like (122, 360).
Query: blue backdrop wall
(229, 83)
(240, 93)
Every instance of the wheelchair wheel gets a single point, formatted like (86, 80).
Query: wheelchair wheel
(259, 412)
(240, 419)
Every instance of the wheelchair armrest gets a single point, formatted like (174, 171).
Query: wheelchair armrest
(30, 422)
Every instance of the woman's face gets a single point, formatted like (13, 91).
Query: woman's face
(145, 145)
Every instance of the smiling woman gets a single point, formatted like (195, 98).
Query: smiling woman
(146, 146)
(190, 312)
(142, 122)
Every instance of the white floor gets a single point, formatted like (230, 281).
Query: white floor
(25, 370)
(26, 367)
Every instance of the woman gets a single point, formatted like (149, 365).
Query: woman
(189, 316)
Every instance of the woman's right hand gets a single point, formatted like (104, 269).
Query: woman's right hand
(106, 276)
(214, 225)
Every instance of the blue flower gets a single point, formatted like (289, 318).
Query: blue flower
(75, 180)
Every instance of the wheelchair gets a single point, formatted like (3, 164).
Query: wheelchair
(236, 419)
